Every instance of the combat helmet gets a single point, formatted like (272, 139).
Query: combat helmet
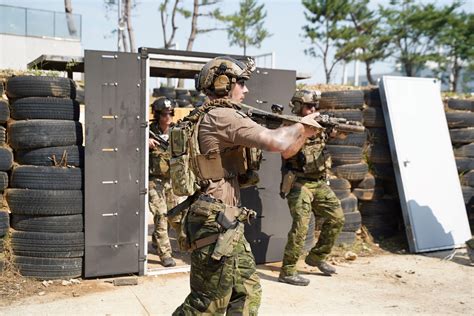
(302, 97)
(219, 75)
(163, 104)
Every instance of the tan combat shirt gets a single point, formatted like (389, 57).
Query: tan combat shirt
(223, 128)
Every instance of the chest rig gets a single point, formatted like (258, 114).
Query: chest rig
(312, 161)
(191, 170)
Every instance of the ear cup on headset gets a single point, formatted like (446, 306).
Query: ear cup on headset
(222, 85)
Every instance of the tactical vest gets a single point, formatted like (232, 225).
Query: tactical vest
(190, 169)
(312, 161)
(159, 158)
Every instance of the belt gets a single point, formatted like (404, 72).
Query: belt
(204, 242)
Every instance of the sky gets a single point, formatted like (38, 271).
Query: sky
(285, 19)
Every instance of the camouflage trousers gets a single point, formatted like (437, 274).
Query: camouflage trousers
(161, 199)
(306, 197)
(218, 287)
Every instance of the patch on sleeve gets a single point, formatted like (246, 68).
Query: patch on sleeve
(240, 114)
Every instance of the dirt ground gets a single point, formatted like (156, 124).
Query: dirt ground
(376, 282)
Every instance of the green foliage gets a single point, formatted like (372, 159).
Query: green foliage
(457, 39)
(364, 33)
(326, 29)
(413, 28)
(245, 28)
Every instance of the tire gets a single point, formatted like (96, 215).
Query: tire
(40, 86)
(381, 207)
(3, 136)
(352, 223)
(3, 180)
(463, 105)
(352, 172)
(462, 135)
(48, 224)
(345, 238)
(373, 117)
(343, 155)
(4, 222)
(383, 171)
(377, 135)
(381, 227)
(465, 151)
(367, 183)
(47, 178)
(45, 202)
(468, 194)
(183, 103)
(6, 159)
(368, 194)
(372, 97)
(349, 204)
(49, 268)
(183, 97)
(47, 245)
(1, 88)
(351, 99)
(45, 108)
(460, 119)
(46, 156)
(4, 111)
(468, 179)
(352, 139)
(379, 154)
(44, 133)
(180, 91)
(342, 194)
(339, 184)
(350, 115)
(2, 248)
(464, 164)
(309, 240)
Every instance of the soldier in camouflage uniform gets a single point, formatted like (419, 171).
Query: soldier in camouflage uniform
(161, 197)
(223, 272)
(309, 192)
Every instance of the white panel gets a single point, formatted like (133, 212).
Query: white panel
(427, 179)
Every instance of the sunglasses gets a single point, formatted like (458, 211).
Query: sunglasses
(311, 105)
(167, 113)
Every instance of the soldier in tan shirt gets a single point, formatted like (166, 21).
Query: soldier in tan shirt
(231, 284)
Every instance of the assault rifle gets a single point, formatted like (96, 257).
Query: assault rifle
(161, 141)
(275, 119)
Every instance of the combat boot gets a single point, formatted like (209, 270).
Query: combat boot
(294, 279)
(168, 262)
(322, 265)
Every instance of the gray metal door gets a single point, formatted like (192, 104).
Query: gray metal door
(114, 164)
(268, 234)
(427, 179)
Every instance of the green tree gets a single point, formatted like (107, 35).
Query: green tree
(364, 33)
(328, 32)
(413, 28)
(457, 39)
(245, 27)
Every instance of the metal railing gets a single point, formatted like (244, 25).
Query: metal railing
(40, 23)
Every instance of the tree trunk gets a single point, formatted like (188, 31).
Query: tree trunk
(70, 18)
(456, 70)
(128, 19)
(122, 26)
(368, 71)
(192, 36)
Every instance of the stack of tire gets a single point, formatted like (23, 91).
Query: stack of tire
(183, 98)
(378, 195)
(346, 151)
(45, 195)
(460, 117)
(6, 163)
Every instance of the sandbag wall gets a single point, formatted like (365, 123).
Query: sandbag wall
(460, 117)
(45, 195)
(6, 162)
